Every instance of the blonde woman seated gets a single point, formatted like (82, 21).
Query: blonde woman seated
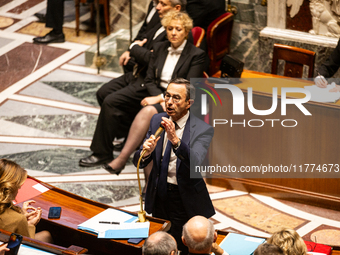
(175, 58)
(289, 241)
(13, 218)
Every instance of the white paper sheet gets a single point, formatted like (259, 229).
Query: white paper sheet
(322, 94)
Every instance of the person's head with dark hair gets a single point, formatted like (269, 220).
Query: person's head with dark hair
(160, 243)
(268, 249)
(177, 98)
(289, 241)
(163, 6)
(190, 89)
(199, 235)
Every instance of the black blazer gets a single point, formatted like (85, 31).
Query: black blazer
(203, 12)
(332, 64)
(155, 21)
(189, 65)
(195, 141)
(142, 55)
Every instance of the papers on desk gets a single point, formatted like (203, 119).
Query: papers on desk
(29, 250)
(322, 94)
(127, 230)
(236, 244)
(127, 227)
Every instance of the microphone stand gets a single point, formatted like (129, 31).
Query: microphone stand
(141, 213)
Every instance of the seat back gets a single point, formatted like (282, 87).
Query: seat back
(198, 35)
(218, 40)
(295, 59)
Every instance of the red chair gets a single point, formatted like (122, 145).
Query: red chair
(218, 40)
(295, 58)
(198, 35)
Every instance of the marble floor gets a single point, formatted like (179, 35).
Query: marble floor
(48, 113)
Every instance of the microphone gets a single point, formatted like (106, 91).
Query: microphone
(159, 131)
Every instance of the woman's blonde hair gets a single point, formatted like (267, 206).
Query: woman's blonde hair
(12, 176)
(289, 241)
(176, 15)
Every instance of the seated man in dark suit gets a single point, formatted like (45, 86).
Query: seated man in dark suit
(203, 12)
(101, 146)
(200, 237)
(171, 193)
(160, 243)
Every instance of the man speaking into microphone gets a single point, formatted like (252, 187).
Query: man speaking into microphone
(171, 193)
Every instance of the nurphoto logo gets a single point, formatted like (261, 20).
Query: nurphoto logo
(239, 102)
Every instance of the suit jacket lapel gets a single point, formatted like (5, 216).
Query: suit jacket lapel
(186, 136)
(161, 59)
(181, 60)
(159, 149)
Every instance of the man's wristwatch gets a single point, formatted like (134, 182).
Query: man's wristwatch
(175, 147)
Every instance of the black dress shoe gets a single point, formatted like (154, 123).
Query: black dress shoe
(111, 170)
(51, 37)
(41, 17)
(95, 160)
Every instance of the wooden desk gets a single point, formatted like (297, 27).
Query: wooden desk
(222, 234)
(315, 140)
(4, 237)
(76, 210)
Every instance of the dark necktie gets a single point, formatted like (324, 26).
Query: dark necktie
(163, 182)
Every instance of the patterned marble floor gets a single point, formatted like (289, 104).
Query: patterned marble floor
(48, 113)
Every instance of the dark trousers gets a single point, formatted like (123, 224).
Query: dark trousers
(55, 14)
(172, 209)
(120, 102)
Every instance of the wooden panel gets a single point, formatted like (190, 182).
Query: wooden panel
(4, 237)
(76, 210)
(222, 234)
(315, 140)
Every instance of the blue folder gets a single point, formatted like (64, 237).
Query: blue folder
(236, 244)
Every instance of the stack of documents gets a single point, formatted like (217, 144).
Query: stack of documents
(322, 94)
(236, 244)
(116, 224)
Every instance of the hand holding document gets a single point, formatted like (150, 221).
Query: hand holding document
(329, 94)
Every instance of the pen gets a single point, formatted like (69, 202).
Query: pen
(109, 222)
(323, 78)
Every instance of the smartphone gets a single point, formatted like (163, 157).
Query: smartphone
(13, 244)
(135, 240)
(54, 213)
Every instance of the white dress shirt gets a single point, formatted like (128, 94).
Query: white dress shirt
(173, 158)
(170, 64)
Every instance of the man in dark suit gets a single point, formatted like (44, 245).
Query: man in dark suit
(329, 68)
(171, 193)
(123, 95)
(200, 237)
(55, 20)
(160, 243)
(203, 12)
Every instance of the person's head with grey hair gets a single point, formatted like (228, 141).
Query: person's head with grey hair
(163, 6)
(199, 235)
(160, 243)
(268, 249)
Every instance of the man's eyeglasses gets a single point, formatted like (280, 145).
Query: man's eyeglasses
(175, 98)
